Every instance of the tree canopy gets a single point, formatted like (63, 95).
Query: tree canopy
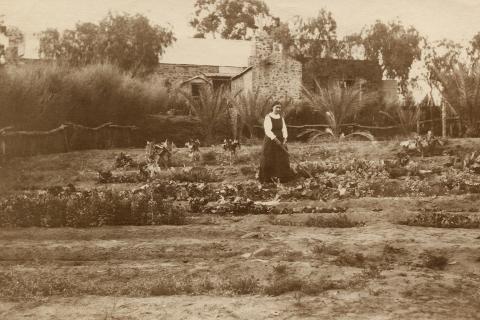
(394, 46)
(129, 42)
(231, 19)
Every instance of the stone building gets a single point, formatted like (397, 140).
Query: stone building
(271, 71)
(260, 65)
(235, 64)
(191, 63)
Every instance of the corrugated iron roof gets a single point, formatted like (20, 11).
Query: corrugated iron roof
(210, 52)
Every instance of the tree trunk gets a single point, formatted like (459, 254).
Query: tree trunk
(444, 119)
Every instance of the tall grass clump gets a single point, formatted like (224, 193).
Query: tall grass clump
(41, 97)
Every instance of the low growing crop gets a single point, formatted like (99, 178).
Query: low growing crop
(442, 220)
(89, 209)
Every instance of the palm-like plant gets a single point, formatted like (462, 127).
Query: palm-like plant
(251, 108)
(460, 89)
(340, 105)
(406, 116)
(210, 107)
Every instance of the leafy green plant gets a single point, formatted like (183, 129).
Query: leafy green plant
(426, 145)
(442, 220)
(339, 105)
(90, 209)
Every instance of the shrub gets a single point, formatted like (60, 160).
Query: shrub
(164, 287)
(442, 220)
(436, 262)
(242, 285)
(124, 160)
(89, 209)
(45, 96)
(283, 285)
(334, 221)
(280, 269)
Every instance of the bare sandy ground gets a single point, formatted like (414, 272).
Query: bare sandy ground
(401, 288)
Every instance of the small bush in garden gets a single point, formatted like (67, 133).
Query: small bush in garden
(280, 269)
(334, 221)
(197, 204)
(442, 220)
(195, 174)
(436, 262)
(280, 286)
(164, 287)
(321, 249)
(124, 160)
(105, 176)
(427, 145)
(242, 285)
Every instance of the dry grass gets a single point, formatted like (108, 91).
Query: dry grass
(242, 285)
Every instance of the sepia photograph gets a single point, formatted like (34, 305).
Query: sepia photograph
(240, 159)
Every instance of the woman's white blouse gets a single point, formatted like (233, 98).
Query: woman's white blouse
(267, 125)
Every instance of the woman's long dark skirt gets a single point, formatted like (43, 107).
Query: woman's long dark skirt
(274, 163)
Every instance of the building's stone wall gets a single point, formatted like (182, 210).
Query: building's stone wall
(174, 74)
(274, 72)
(326, 71)
(243, 83)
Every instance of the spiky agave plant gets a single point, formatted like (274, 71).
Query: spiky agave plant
(340, 105)
(406, 116)
(252, 107)
(210, 107)
(460, 89)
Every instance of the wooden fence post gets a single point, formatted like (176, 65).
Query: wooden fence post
(444, 119)
(4, 153)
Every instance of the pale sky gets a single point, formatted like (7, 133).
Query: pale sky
(454, 19)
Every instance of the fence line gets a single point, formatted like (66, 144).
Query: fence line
(67, 137)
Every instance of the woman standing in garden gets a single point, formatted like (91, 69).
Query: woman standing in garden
(274, 163)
